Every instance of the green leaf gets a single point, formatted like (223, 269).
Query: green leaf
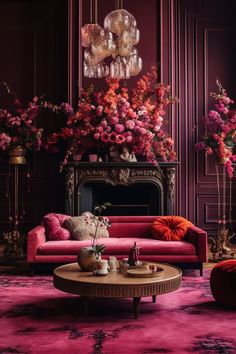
(99, 248)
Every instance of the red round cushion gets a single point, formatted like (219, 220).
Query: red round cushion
(170, 228)
(223, 283)
(54, 229)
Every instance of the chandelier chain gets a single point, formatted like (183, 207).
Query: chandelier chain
(93, 11)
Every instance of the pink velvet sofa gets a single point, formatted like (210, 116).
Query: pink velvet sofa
(190, 252)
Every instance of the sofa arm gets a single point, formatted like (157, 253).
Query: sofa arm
(36, 237)
(198, 237)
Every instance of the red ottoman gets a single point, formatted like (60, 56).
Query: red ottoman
(223, 283)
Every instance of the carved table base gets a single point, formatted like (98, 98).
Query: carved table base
(71, 279)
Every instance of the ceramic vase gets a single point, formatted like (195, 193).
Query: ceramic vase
(86, 259)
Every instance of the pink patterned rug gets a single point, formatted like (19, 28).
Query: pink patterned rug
(36, 318)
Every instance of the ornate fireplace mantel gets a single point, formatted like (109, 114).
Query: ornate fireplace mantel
(81, 174)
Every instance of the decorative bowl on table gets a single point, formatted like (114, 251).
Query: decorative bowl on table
(124, 266)
(144, 273)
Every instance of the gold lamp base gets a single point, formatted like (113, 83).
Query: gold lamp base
(16, 243)
(17, 156)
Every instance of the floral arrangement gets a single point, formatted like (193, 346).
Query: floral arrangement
(220, 129)
(114, 118)
(18, 128)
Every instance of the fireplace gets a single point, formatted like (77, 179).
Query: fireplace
(132, 188)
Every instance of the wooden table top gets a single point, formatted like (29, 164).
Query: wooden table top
(71, 279)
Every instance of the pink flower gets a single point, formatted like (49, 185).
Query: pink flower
(200, 145)
(226, 100)
(209, 150)
(129, 124)
(129, 138)
(104, 123)
(99, 110)
(141, 131)
(138, 123)
(67, 108)
(131, 113)
(105, 137)
(108, 129)
(120, 139)
(99, 129)
(119, 128)
(4, 141)
(229, 169)
(157, 128)
(114, 120)
(112, 137)
(96, 136)
(225, 111)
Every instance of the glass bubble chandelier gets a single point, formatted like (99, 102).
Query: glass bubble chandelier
(117, 40)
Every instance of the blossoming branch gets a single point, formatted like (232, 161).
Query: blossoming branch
(18, 128)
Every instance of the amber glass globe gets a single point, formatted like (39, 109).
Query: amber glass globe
(124, 50)
(130, 36)
(99, 70)
(135, 64)
(89, 33)
(103, 47)
(119, 68)
(118, 20)
(91, 58)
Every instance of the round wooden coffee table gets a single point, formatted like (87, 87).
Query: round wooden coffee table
(71, 279)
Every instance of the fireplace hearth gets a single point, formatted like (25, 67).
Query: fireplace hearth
(132, 188)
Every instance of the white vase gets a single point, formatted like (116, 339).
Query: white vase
(86, 258)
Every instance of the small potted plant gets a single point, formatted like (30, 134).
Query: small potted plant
(87, 256)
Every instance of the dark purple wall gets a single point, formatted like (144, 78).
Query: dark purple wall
(33, 61)
(199, 45)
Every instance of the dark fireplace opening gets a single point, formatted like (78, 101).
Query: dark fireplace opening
(134, 199)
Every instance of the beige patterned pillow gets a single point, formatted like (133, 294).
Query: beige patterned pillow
(83, 227)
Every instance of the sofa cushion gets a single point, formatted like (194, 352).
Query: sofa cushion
(117, 246)
(130, 229)
(54, 229)
(170, 228)
(84, 227)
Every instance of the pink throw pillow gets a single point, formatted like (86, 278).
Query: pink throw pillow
(53, 227)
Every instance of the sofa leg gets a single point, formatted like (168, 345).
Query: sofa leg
(201, 269)
(32, 269)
